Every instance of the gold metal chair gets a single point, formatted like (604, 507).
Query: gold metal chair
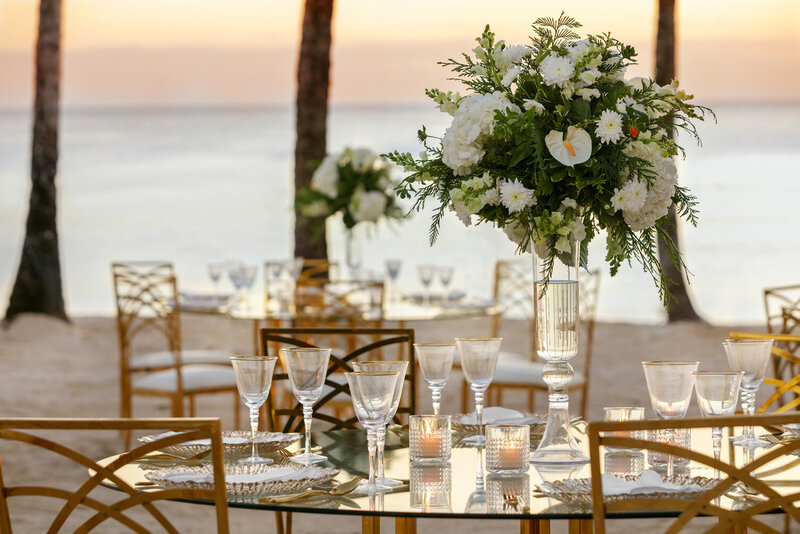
(513, 295)
(26, 431)
(146, 297)
(788, 382)
(776, 299)
(777, 458)
(368, 342)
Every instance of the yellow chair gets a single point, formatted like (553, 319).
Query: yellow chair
(779, 457)
(26, 431)
(513, 296)
(789, 379)
(148, 314)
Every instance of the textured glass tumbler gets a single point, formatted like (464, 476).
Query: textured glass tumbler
(508, 448)
(680, 437)
(624, 413)
(429, 438)
(430, 486)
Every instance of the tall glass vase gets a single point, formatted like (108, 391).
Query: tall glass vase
(354, 251)
(557, 333)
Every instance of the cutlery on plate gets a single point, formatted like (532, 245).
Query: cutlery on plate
(338, 491)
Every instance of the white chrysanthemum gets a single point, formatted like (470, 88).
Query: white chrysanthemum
(368, 206)
(510, 76)
(556, 70)
(326, 176)
(533, 104)
(609, 127)
(491, 197)
(630, 197)
(515, 196)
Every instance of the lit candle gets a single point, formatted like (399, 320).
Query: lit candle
(507, 448)
(511, 456)
(429, 437)
(430, 444)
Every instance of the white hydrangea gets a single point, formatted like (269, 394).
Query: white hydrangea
(630, 197)
(557, 70)
(368, 205)
(510, 57)
(326, 176)
(609, 127)
(462, 143)
(515, 196)
(659, 195)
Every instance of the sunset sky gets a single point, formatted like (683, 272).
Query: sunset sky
(241, 52)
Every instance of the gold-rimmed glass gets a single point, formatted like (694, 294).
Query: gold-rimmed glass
(478, 362)
(435, 362)
(253, 380)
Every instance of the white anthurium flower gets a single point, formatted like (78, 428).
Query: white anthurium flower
(571, 150)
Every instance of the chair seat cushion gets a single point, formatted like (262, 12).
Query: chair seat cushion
(161, 359)
(519, 371)
(195, 378)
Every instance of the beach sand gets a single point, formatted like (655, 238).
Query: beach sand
(53, 369)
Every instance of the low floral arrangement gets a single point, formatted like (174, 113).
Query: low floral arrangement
(355, 182)
(554, 144)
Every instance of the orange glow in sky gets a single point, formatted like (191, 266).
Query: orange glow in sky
(244, 51)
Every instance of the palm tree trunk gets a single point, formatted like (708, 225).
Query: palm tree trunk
(681, 309)
(313, 78)
(38, 284)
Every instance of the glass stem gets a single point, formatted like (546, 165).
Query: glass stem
(436, 399)
(749, 409)
(479, 471)
(307, 413)
(669, 434)
(716, 443)
(371, 450)
(253, 430)
(381, 438)
(479, 410)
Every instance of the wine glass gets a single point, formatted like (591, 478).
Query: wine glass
(478, 361)
(435, 362)
(393, 270)
(236, 275)
(445, 277)
(248, 280)
(307, 368)
(670, 387)
(372, 394)
(215, 272)
(717, 393)
(294, 267)
(253, 379)
(752, 357)
(426, 277)
(400, 368)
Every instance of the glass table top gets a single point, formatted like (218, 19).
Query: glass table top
(460, 489)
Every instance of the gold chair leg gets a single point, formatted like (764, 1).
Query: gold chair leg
(237, 414)
(464, 396)
(279, 523)
(580, 526)
(288, 523)
(405, 525)
(370, 525)
(534, 526)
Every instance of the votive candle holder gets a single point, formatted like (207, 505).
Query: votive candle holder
(508, 448)
(430, 485)
(624, 413)
(429, 438)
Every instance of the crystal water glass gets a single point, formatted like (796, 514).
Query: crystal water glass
(426, 273)
(393, 271)
(307, 369)
(215, 273)
(478, 362)
(399, 367)
(670, 386)
(435, 362)
(717, 394)
(372, 394)
(751, 356)
(445, 278)
(253, 380)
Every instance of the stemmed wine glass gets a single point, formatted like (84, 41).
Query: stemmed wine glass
(670, 387)
(399, 367)
(752, 357)
(717, 393)
(253, 380)
(372, 394)
(426, 277)
(445, 277)
(393, 270)
(248, 279)
(307, 368)
(435, 362)
(215, 272)
(478, 361)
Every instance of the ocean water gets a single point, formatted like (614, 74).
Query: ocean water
(200, 185)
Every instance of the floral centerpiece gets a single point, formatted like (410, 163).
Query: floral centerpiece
(356, 183)
(553, 144)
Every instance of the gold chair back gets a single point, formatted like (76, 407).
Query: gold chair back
(787, 367)
(370, 341)
(25, 431)
(612, 434)
(776, 300)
